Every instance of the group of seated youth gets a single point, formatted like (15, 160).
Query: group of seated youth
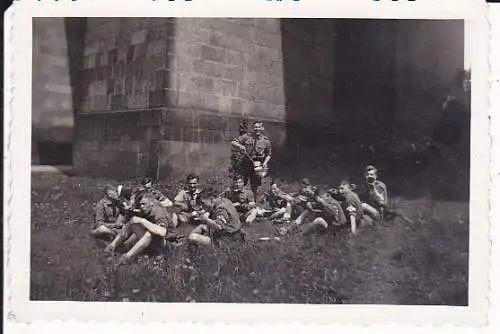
(135, 218)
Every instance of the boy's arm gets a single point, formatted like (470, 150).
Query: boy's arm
(237, 142)
(179, 201)
(268, 154)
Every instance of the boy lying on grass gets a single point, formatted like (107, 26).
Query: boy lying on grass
(151, 227)
(277, 205)
(242, 199)
(222, 221)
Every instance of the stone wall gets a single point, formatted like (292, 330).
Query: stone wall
(175, 91)
(52, 92)
(164, 96)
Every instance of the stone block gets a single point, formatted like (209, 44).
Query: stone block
(200, 83)
(233, 73)
(272, 40)
(212, 102)
(118, 102)
(225, 87)
(235, 58)
(213, 53)
(208, 68)
(138, 37)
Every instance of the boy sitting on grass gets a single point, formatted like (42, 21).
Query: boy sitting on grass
(277, 204)
(222, 221)
(328, 214)
(242, 199)
(376, 198)
(303, 201)
(107, 215)
(350, 203)
(151, 227)
(187, 201)
(164, 201)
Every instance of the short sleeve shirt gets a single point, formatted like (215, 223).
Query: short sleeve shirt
(244, 197)
(105, 212)
(258, 148)
(226, 215)
(381, 188)
(159, 216)
(190, 201)
(352, 205)
(333, 210)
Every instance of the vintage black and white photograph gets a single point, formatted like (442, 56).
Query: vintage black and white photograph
(250, 160)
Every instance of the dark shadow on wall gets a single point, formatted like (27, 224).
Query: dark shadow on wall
(74, 30)
(161, 98)
(366, 105)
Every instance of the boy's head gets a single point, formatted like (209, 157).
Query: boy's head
(345, 187)
(258, 128)
(146, 203)
(208, 199)
(238, 183)
(192, 182)
(111, 192)
(125, 192)
(370, 174)
(147, 182)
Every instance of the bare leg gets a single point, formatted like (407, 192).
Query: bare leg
(353, 224)
(130, 241)
(102, 231)
(252, 214)
(175, 219)
(255, 191)
(301, 217)
(316, 222)
(139, 247)
(288, 212)
(278, 214)
(152, 228)
(140, 232)
(371, 211)
(119, 239)
(196, 236)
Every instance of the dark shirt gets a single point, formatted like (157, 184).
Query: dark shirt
(243, 198)
(352, 205)
(105, 212)
(371, 194)
(258, 149)
(188, 202)
(226, 215)
(158, 216)
(333, 210)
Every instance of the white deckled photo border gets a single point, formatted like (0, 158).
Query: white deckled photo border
(17, 158)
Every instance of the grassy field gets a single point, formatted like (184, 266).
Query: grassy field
(394, 263)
